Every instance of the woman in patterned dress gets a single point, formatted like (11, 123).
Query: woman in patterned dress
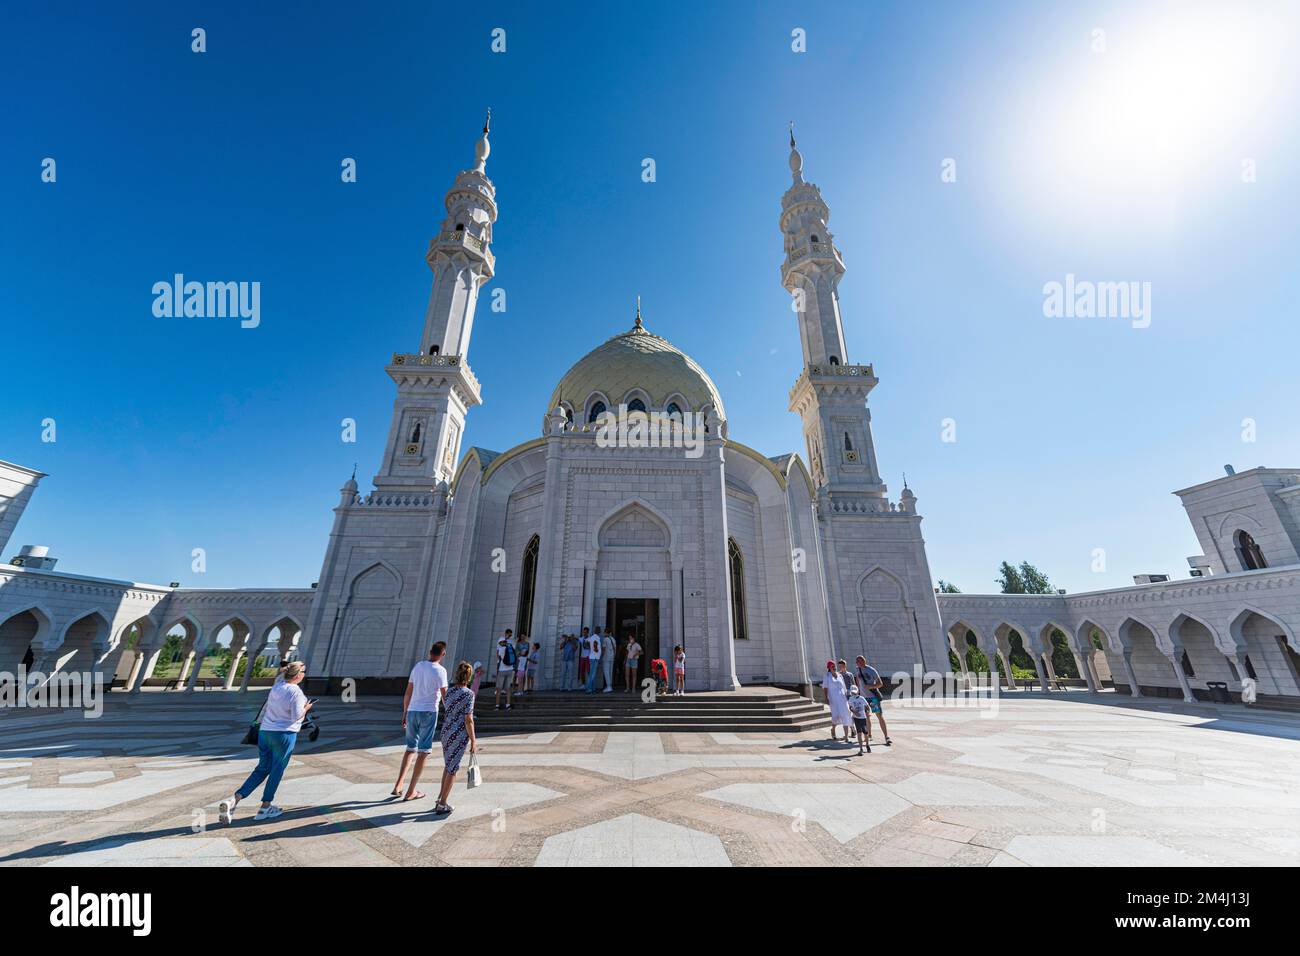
(457, 731)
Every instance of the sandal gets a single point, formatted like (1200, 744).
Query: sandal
(441, 807)
(414, 796)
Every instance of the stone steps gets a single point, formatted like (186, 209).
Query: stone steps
(753, 710)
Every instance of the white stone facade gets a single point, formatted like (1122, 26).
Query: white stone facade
(829, 566)
(762, 568)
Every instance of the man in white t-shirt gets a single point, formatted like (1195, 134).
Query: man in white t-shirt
(424, 691)
(593, 657)
(506, 660)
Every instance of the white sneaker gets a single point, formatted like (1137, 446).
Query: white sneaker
(268, 813)
(226, 810)
(608, 690)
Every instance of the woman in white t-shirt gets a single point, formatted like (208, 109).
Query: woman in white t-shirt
(633, 661)
(282, 715)
(679, 671)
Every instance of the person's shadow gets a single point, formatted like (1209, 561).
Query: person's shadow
(827, 749)
(61, 848)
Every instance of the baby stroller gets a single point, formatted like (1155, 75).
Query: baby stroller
(659, 671)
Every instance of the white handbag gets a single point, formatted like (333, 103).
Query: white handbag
(474, 776)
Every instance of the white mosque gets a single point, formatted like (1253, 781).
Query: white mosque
(761, 567)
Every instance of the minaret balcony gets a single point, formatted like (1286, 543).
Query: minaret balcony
(831, 378)
(814, 250)
(461, 240)
(426, 368)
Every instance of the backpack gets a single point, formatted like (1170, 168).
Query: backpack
(509, 659)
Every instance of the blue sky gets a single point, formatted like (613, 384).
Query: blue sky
(1118, 165)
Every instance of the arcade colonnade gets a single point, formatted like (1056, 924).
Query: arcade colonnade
(1170, 639)
(61, 623)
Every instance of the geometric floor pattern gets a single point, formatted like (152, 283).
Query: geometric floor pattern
(1062, 779)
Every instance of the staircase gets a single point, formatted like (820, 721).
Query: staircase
(748, 710)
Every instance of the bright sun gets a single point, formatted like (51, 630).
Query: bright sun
(1154, 109)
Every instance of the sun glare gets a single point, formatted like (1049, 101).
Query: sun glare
(1151, 111)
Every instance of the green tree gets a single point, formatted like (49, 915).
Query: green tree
(947, 587)
(1023, 579)
(1009, 579)
(1035, 581)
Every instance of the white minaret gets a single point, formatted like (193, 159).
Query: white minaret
(435, 387)
(831, 394)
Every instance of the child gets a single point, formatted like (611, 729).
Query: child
(679, 671)
(858, 708)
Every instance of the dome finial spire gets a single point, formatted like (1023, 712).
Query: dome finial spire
(796, 160)
(482, 148)
(638, 314)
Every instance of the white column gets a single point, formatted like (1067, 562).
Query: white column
(248, 668)
(235, 657)
(143, 669)
(679, 611)
(1003, 665)
(1043, 671)
(1127, 658)
(197, 656)
(1176, 664)
(1084, 661)
(137, 666)
(959, 648)
(589, 597)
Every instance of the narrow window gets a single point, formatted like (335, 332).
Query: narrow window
(848, 442)
(737, 567)
(674, 411)
(835, 360)
(636, 405)
(1252, 558)
(527, 587)
(597, 410)
(1187, 665)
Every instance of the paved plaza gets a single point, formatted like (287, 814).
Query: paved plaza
(1063, 779)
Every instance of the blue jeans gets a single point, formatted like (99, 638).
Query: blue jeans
(274, 748)
(593, 671)
(567, 670)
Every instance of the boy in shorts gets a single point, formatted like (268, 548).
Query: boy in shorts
(858, 708)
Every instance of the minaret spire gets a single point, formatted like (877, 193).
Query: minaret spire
(482, 148)
(796, 158)
(830, 395)
(435, 387)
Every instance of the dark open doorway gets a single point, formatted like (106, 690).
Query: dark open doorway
(638, 616)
